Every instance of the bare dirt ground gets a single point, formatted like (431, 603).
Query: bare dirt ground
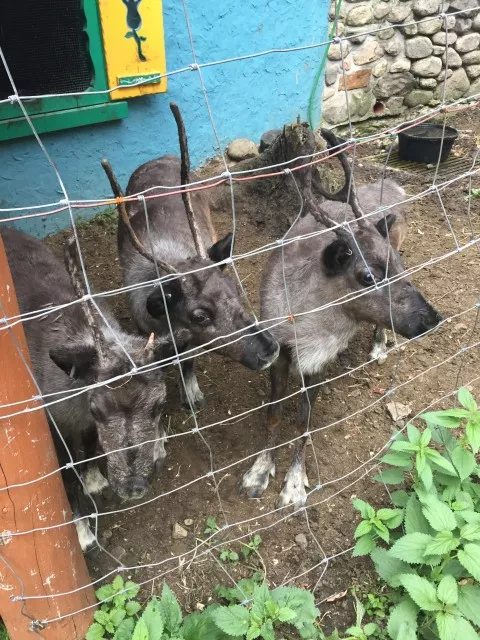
(344, 450)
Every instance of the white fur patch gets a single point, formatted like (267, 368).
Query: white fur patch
(379, 352)
(94, 481)
(293, 491)
(159, 452)
(192, 391)
(255, 480)
(85, 535)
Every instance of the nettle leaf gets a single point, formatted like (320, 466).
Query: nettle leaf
(363, 528)
(406, 632)
(153, 619)
(425, 475)
(397, 459)
(400, 498)
(464, 462)
(439, 462)
(447, 590)
(117, 615)
(413, 434)
(446, 625)
(125, 630)
(466, 399)
(465, 631)
(388, 567)
(426, 437)
(102, 617)
(438, 514)
(470, 516)
(260, 597)
(141, 631)
(117, 584)
(390, 476)
(472, 431)
(381, 530)
(421, 591)
(104, 592)
(301, 602)
(366, 510)
(415, 521)
(469, 557)
(411, 548)
(132, 589)
(370, 628)
(442, 543)
(403, 446)
(364, 546)
(455, 569)
(449, 419)
(171, 612)
(132, 607)
(232, 620)
(95, 632)
(286, 615)
(469, 602)
(471, 531)
(405, 611)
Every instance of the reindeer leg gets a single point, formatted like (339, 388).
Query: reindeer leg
(94, 481)
(296, 480)
(255, 480)
(191, 392)
(379, 346)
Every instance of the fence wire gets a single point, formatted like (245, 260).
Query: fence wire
(235, 530)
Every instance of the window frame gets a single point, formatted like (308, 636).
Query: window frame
(66, 112)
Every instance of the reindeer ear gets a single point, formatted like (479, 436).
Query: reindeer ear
(173, 294)
(221, 250)
(76, 360)
(385, 223)
(336, 257)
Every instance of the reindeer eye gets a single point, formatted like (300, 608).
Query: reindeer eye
(367, 279)
(201, 318)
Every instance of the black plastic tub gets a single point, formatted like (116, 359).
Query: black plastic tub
(423, 142)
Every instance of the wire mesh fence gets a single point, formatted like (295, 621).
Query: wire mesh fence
(211, 450)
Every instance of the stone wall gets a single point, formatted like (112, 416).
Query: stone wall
(401, 66)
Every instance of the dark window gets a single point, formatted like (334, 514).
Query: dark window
(46, 47)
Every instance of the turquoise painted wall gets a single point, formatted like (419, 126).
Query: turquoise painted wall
(247, 98)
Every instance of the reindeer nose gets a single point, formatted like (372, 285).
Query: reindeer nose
(430, 318)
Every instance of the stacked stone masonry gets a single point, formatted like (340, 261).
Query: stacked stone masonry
(403, 64)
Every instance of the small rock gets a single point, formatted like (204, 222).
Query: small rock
(394, 106)
(179, 532)
(425, 8)
(199, 606)
(359, 16)
(301, 541)
(418, 47)
(429, 27)
(454, 60)
(418, 97)
(398, 411)
(473, 71)
(337, 51)
(427, 83)
(476, 23)
(463, 5)
(381, 10)
(356, 35)
(360, 102)
(457, 86)
(393, 84)
(107, 534)
(474, 88)
(356, 80)
(399, 65)
(242, 148)
(442, 38)
(462, 25)
(118, 552)
(380, 68)
(409, 29)
(400, 13)
(331, 74)
(438, 51)
(261, 392)
(369, 52)
(469, 42)
(427, 67)
(473, 57)
(188, 522)
(386, 34)
(268, 138)
(394, 46)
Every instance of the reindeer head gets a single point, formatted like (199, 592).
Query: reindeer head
(361, 258)
(126, 411)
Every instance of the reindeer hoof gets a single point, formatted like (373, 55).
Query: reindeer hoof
(379, 353)
(85, 536)
(293, 491)
(255, 480)
(94, 482)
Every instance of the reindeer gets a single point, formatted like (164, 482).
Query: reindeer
(327, 284)
(196, 294)
(71, 348)
(384, 193)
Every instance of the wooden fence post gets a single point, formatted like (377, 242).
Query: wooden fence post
(46, 562)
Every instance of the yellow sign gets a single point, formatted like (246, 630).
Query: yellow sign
(134, 46)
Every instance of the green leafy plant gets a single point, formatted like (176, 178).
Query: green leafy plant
(254, 611)
(3, 632)
(428, 547)
(360, 631)
(229, 556)
(210, 525)
(252, 546)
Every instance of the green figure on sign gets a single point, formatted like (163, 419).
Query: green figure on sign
(134, 23)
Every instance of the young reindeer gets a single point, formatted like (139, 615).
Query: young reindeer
(72, 348)
(383, 193)
(164, 241)
(340, 274)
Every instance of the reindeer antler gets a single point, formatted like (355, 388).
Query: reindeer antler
(347, 193)
(117, 192)
(71, 262)
(184, 177)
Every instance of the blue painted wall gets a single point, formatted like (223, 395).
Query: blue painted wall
(247, 98)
